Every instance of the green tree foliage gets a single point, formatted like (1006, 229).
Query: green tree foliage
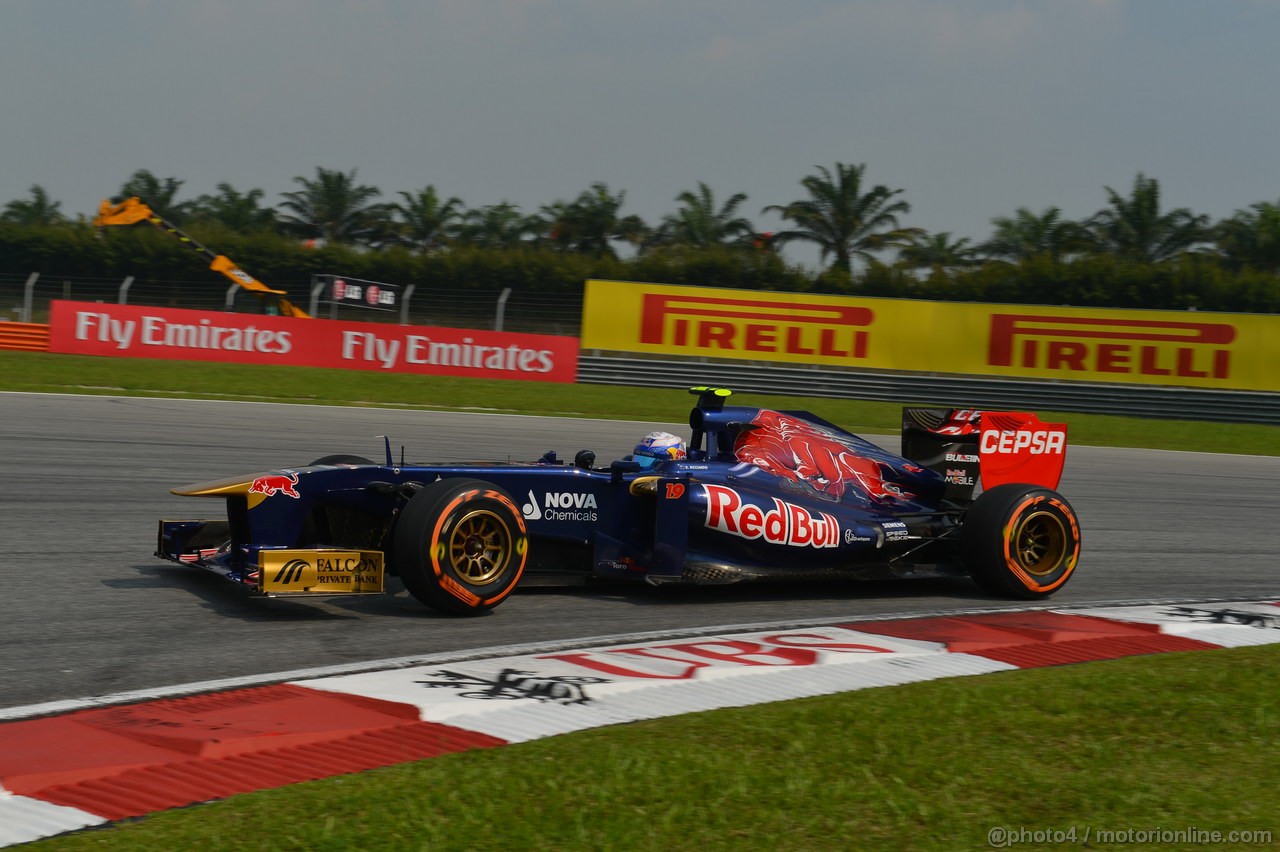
(700, 223)
(1190, 281)
(425, 222)
(334, 208)
(718, 266)
(1250, 239)
(841, 219)
(925, 251)
(591, 223)
(1132, 254)
(1026, 235)
(240, 212)
(49, 249)
(160, 194)
(499, 226)
(38, 210)
(1134, 228)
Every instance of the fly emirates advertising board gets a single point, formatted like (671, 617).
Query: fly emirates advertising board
(83, 328)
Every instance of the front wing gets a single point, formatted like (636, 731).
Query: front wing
(273, 571)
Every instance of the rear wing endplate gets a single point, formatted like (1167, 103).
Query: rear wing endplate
(967, 447)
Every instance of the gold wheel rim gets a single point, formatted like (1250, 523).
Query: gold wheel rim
(1040, 543)
(480, 547)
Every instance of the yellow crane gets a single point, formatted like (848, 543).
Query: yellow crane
(134, 210)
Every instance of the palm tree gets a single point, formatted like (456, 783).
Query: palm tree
(841, 219)
(240, 212)
(333, 207)
(1251, 237)
(700, 224)
(1026, 235)
(159, 194)
(938, 250)
(590, 223)
(498, 226)
(40, 210)
(425, 221)
(1135, 229)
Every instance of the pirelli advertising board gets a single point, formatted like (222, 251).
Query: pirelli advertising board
(1184, 348)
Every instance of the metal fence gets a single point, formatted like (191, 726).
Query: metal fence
(26, 298)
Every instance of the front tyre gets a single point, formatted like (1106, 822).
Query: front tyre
(1021, 541)
(460, 546)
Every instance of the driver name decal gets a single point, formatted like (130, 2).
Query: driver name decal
(785, 523)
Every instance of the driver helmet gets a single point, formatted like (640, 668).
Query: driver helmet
(658, 446)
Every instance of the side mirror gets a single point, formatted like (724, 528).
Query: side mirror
(621, 466)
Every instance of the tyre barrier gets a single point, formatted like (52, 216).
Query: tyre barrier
(24, 336)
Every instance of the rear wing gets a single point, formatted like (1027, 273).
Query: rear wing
(967, 447)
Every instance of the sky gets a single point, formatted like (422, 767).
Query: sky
(973, 108)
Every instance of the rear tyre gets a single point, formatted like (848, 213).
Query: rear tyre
(342, 458)
(1021, 541)
(460, 546)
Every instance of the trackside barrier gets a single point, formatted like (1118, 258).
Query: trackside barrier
(1083, 397)
(24, 336)
(964, 391)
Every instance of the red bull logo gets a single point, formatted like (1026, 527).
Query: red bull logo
(276, 483)
(785, 523)
(806, 453)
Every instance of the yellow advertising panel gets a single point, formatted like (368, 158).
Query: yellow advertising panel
(320, 572)
(1183, 348)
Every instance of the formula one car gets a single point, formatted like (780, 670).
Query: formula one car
(760, 495)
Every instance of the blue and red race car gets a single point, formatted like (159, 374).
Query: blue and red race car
(760, 495)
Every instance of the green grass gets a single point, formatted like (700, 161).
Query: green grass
(26, 371)
(1166, 741)
(1159, 742)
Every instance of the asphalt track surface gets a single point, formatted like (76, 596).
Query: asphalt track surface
(88, 611)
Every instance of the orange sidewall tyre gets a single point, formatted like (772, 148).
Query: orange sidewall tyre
(1021, 541)
(460, 545)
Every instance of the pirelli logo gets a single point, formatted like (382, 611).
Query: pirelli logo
(1104, 345)
(743, 326)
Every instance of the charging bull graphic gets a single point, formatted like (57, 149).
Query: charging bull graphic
(805, 453)
(276, 483)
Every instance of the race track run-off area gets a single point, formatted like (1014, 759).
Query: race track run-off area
(140, 685)
(91, 766)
